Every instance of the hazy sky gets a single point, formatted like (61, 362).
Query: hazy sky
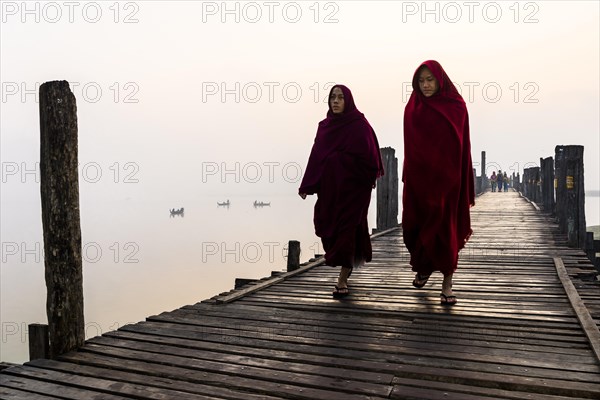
(172, 95)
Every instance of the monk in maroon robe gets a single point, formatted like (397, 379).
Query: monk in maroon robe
(343, 166)
(437, 175)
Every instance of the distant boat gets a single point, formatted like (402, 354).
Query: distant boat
(261, 204)
(225, 204)
(176, 212)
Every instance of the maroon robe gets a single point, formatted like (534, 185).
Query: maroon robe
(342, 168)
(437, 175)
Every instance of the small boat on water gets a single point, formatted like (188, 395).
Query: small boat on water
(176, 212)
(261, 204)
(223, 204)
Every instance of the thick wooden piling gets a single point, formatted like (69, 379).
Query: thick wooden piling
(387, 191)
(60, 217)
(532, 184)
(570, 194)
(547, 180)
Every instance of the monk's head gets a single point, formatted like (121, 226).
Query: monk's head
(336, 100)
(428, 84)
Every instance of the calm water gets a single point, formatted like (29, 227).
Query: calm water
(138, 261)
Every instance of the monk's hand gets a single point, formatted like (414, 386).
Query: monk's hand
(303, 195)
(374, 185)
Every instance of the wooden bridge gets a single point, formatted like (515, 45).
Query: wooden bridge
(525, 327)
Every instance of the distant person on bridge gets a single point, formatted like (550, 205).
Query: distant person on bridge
(343, 166)
(438, 177)
(494, 181)
(500, 180)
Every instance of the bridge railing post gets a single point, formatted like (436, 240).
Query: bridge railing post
(570, 194)
(387, 191)
(560, 187)
(293, 259)
(483, 183)
(39, 344)
(547, 177)
(537, 185)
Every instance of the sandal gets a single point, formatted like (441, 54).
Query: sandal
(447, 300)
(420, 278)
(340, 293)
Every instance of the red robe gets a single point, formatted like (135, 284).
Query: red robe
(437, 175)
(342, 168)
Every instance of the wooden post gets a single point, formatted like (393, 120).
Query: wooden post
(526, 183)
(477, 180)
(560, 185)
(547, 167)
(484, 180)
(387, 191)
(39, 345)
(596, 249)
(575, 197)
(589, 247)
(537, 185)
(513, 182)
(60, 217)
(293, 259)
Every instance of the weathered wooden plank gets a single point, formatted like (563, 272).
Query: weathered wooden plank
(501, 380)
(316, 388)
(540, 368)
(356, 306)
(423, 393)
(391, 345)
(445, 389)
(306, 376)
(114, 372)
(419, 337)
(14, 394)
(420, 329)
(405, 366)
(250, 357)
(283, 353)
(399, 319)
(39, 383)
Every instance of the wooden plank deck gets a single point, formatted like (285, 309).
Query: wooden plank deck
(513, 335)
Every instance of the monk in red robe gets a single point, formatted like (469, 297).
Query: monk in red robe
(438, 177)
(343, 166)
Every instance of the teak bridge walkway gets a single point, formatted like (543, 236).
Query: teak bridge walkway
(521, 330)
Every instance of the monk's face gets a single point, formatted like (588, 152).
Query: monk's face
(427, 82)
(336, 101)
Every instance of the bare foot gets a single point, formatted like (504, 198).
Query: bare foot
(447, 297)
(447, 285)
(343, 277)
